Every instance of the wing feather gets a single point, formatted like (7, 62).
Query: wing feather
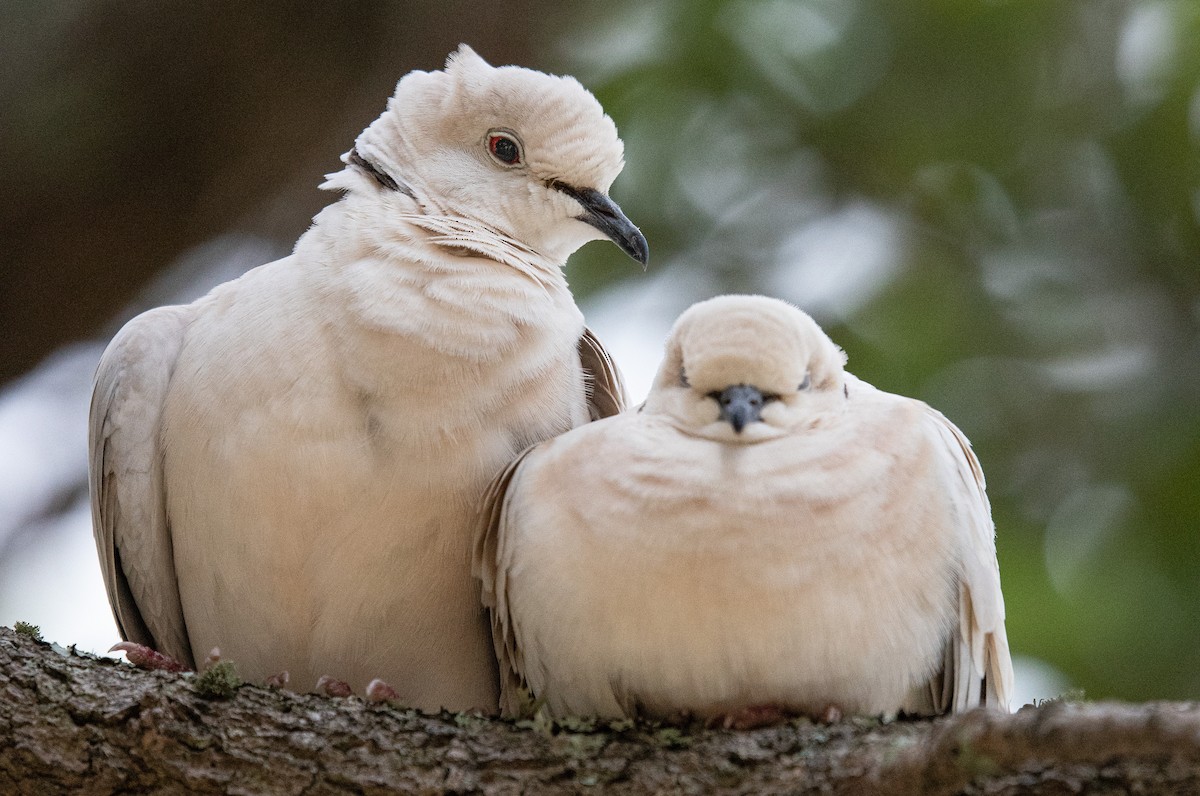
(491, 558)
(125, 474)
(605, 387)
(978, 664)
(491, 561)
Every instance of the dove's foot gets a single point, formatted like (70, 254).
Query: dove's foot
(832, 714)
(331, 686)
(144, 657)
(749, 718)
(379, 691)
(278, 680)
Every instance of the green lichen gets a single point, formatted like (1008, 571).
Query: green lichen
(582, 745)
(539, 721)
(577, 724)
(1072, 697)
(219, 681)
(28, 630)
(671, 738)
(585, 736)
(471, 721)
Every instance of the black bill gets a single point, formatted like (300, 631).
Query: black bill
(604, 214)
(740, 405)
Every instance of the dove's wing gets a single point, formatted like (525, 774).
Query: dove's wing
(605, 397)
(490, 565)
(133, 534)
(605, 388)
(977, 668)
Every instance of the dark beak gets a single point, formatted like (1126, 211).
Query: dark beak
(740, 405)
(603, 214)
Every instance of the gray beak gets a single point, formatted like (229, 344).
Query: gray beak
(740, 405)
(604, 214)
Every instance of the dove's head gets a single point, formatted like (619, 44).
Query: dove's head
(508, 150)
(747, 368)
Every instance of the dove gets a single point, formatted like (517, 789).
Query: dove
(767, 535)
(289, 467)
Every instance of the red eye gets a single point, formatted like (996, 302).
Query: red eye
(504, 149)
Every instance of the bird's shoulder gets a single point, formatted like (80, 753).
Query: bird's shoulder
(889, 418)
(607, 443)
(140, 356)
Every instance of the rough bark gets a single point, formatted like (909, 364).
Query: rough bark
(74, 723)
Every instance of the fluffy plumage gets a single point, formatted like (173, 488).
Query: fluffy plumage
(837, 550)
(288, 468)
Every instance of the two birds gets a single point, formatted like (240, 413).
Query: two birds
(291, 467)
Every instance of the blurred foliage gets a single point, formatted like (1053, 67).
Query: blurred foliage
(992, 206)
(131, 131)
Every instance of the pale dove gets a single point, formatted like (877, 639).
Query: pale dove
(767, 532)
(288, 468)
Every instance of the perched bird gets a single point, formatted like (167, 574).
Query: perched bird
(768, 535)
(288, 468)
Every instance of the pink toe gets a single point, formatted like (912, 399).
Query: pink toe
(144, 657)
(379, 691)
(278, 680)
(331, 686)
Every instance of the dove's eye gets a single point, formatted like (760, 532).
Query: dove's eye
(504, 148)
(804, 385)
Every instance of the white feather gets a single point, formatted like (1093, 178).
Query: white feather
(838, 552)
(289, 468)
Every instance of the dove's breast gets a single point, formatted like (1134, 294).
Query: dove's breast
(327, 449)
(812, 569)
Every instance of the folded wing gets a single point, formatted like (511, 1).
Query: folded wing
(977, 668)
(132, 530)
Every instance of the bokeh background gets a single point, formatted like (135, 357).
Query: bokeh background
(992, 205)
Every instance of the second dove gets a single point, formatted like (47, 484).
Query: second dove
(768, 536)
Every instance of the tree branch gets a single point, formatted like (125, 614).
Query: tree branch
(75, 723)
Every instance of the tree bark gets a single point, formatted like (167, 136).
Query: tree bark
(74, 723)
